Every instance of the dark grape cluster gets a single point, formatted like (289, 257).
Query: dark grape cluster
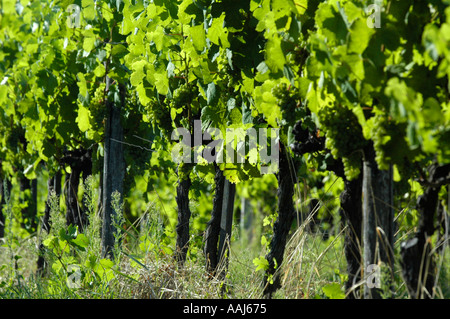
(306, 141)
(301, 133)
(300, 55)
(344, 137)
(288, 99)
(97, 107)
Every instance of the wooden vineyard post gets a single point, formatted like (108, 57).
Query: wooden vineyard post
(226, 223)
(378, 222)
(113, 171)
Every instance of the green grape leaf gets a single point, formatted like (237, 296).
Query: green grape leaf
(187, 11)
(352, 12)
(283, 8)
(301, 5)
(158, 37)
(161, 83)
(81, 241)
(212, 116)
(119, 51)
(198, 37)
(267, 104)
(83, 118)
(107, 12)
(333, 291)
(211, 94)
(331, 23)
(275, 58)
(261, 263)
(88, 9)
(99, 71)
(432, 111)
(216, 32)
(138, 72)
(142, 94)
(360, 35)
(8, 6)
(103, 269)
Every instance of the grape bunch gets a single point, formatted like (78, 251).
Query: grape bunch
(301, 133)
(352, 166)
(161, 116)
(97, 107)
(306, 140)
(344, 137)
(389, 142)
(182, 96)
(288, 99)
(132, 100)
(231, 75)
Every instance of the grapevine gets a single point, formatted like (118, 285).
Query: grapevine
(247, 66)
